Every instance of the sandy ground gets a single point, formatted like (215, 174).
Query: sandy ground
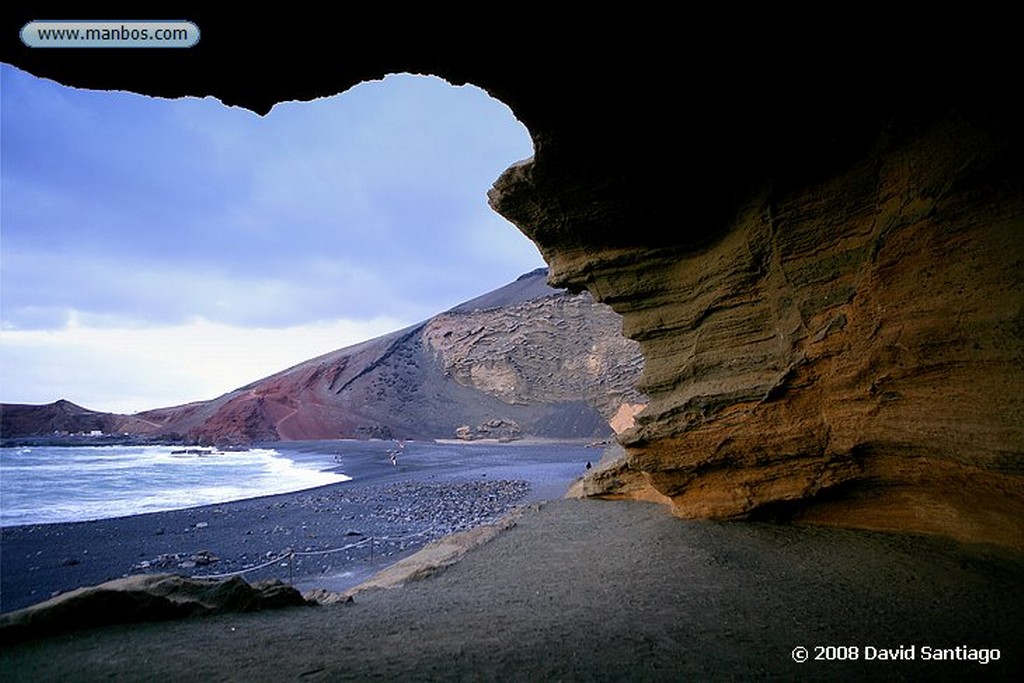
(436, 489)
(592, 590)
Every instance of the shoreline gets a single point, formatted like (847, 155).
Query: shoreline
(254, 538)
(427, 496)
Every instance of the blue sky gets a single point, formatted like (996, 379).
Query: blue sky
(155, 251)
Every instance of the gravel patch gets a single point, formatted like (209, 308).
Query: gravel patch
(330, 537)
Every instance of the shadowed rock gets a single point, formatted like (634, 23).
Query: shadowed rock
(818, 246)
(141, 598)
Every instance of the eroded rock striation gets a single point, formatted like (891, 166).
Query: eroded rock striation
(813, 232)
(539, 351)
(848, 351)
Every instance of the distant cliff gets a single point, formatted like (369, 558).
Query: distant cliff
(524, 360)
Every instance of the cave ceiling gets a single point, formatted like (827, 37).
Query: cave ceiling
(638, 121)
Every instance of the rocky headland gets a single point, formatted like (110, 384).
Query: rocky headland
(526, 360)
(66, 423)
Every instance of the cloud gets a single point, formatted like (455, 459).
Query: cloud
(351, 206)
(163, 251)
(126, 370)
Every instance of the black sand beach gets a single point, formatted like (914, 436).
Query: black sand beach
(575, 590)
(384, 513)
(593, 590)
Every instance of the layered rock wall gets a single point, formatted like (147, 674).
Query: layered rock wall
(540, 351)
(816, 241)
(849, 351)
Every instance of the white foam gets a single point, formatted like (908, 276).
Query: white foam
(41, 485)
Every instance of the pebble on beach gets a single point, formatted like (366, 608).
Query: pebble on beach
(298, 536)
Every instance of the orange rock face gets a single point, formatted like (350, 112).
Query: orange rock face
(848, 352)
(818, 246)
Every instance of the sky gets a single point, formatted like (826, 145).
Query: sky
(155, 252)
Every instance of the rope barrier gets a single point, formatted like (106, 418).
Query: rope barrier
(283, 556)
(308, 553)
(403, 538)
(333, 550)
(241, 571)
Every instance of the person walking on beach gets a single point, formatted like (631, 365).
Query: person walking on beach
(394, 452)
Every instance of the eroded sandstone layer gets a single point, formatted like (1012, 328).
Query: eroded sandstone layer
(814, 231)
(849, 351)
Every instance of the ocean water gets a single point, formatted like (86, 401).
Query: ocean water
(67, 484)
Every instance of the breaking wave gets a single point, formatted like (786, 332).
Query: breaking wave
(70, 484)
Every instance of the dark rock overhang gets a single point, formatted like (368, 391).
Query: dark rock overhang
(634, 119)
(683, 172)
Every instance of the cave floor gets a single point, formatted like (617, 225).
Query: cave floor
(599, 590)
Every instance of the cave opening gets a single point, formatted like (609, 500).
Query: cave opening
(146, 237)
(169, 250)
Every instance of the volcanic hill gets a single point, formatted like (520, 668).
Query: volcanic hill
(65, 418)
(523, 360)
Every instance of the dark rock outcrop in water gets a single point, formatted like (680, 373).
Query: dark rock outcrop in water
(524, 360)
(814, 231)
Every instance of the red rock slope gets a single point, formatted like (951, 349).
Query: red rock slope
(525, 360)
